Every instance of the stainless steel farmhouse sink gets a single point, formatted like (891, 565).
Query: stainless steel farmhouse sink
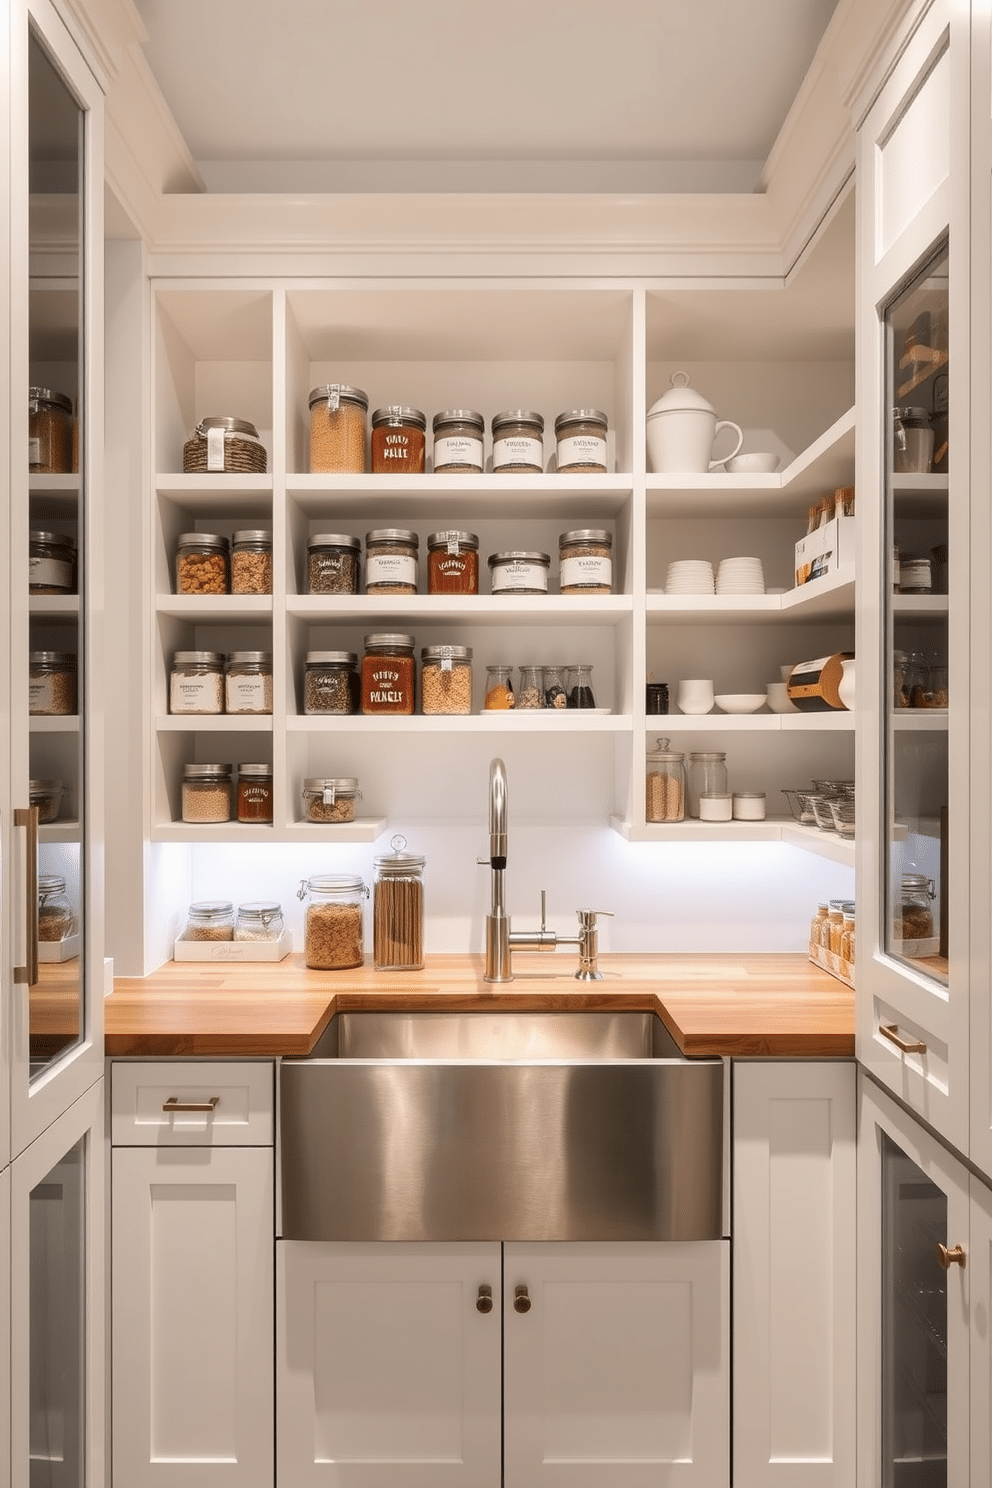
(501, 1125)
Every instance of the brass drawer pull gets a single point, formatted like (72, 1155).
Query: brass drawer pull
(484, 1301)
(890, 1031)
(27, 817)
(199, 1107)
(948, 1258)
(521, 1300)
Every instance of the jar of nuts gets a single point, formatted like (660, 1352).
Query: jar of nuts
(330, 798)
(333, 938)
(446, 679)
(206, 793)
(338, 428)
(202, 563)
(251, 562)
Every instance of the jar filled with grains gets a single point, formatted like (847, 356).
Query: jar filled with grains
(196, 682)
(330, 682)
(259, 919)
(202, 563)
(51, 563)
(530, 693)
(499, 687)
(666, 784)
(398, 910)
(519, 572)
(255, 794)
(452, 563)
(333, 563)
(458, 442)
(585, 558)
(55, 916)
(47, 796)
(51, 683)
(332, 924)
(914, 915)
(518, 442)
(389, 674)
(391, 561)
(581, 439)
(206, 793)
(210, 919)
(398, 441)
(50, 432)
(338, 428)
(330, 799)
(248, 682)
(251, 562)
(446, 679)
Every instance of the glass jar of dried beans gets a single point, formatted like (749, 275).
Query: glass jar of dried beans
(581, 437)
(332, 563)
(398, 441)
(452, 563)
(388, 674)
(518, 442)
(338, 428)
(458, 442)
(391, 561)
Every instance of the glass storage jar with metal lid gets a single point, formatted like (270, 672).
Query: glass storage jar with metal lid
(338, 428)
(914, 913)
(51, 563)
(398, 441)
(50, 426)
(452, 563)
(330, 798)
(248, 682)
(333, 938)
(202, 563)
(581, 440)
(333, 560)
(47, 796)
(51, 683)
(446, 679)
(251, 561)
(518, 442)
(389, 674)
(220, 444)
(196, 682)
(458, 442)
(330, 682)
(912, 441)
(210, 919)
(391, 561)
(206, 793)
(255, 794)
(585, 561)
(707, 776)
(665, 784)
(398, 909)
(519, 572)
(259, 919)
(55, 917)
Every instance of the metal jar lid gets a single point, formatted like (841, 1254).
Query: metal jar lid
(396, 416)
(388, 638)
(254, 536)
(333, 394)
(259, 909)
(249, 658)
(198, 658)
(343, 784)
(206, 772)
(53, 539)
(203, 540)
(708, 755)
(39, 397)
(209, 909)
(749, 795)
(918, 417)
(333, 540)
(598, 535)
(392, 535)
(581, 416)
(520, 557)
(256, 771)
(331, 658)
(50, 884)
(459, 416)
(398, 861)
(40, 788)
(52, 658)
(453, 541)
(445, 653)
(241, 427)
(518, 416)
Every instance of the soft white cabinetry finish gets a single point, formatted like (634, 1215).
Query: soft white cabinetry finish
(980, 1266)
(5, 1462)
(192, 1301)
(794, 1274)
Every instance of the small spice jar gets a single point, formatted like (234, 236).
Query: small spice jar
(210, 919)
(707, 776)
(330, 682)
(749, 805)
(458, 442)
(499, 687)
(47, 796)
(225, 444)
(446, 679)
(530, 693)
(398, 441)
(585, 561)
(51, 683)
(581, 438)
(519, 572)
(915, 575)
(333, 563)
(398, 910)
(389, 674)
(518, 442)
(391, 561)
(330, 799)
(452, 563)
(206, 793)
(196, 682)
(202, 563)
(579, 686)
(248, 682)
(55, 916)
(255, 794)
(665, 784)
(51, 563)
(333, 938)
(338, 428)
(251, 562)
(555, 695)
(50, 426)
(656, 697)
(259, 919)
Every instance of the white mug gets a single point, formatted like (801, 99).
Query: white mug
(778, 698)
(681, 440)
(695, 696)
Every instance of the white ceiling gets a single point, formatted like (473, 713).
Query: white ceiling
(523, 95)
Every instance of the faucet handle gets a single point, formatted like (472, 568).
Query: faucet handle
(587, 917)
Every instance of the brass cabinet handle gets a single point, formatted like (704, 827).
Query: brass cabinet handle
(948, 1258)
(906, 1046)
(27, 817)
(204, 1107)
(484, 1301)
(521, 1300)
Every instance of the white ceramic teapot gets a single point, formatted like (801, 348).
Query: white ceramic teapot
(681, 429)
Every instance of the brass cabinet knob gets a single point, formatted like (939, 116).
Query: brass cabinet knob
(948, 1258)
(484, 1301)
(521, 1300)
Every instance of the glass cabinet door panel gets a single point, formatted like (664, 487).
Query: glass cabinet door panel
(917, 602)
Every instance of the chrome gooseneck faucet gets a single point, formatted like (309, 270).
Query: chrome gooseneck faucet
(500, 939)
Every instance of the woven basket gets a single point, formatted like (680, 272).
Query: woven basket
(242, 455)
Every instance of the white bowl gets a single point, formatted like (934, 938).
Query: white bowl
(761, 462)
(739, 702)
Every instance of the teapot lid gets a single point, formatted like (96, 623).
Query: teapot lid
(680, 397)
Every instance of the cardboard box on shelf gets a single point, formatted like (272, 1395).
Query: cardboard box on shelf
(826, 551)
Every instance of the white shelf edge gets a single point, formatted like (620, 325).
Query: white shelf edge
(429, 484)
(468, 609)
(920, 721)
(831, 597)
(679, 723)
(65, 723)
(920, 604)
(365, 829)
(41, 605)
(526, 720)
(823, 844)
(232, 723)
(772, 829)
(219, 607)
(220, 483)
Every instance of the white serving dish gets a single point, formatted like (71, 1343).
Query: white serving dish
(740, 702)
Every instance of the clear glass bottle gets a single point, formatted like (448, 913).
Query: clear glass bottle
(251, 562)
(581, 441)
(196, 682)
(259, 919)
(518, 442)
(255, 794)
(333, 933)
(338, 428)
(206, 793)
(210, 919)
(202, 563)
(55, 916)
(499, 687)
(579, 686)
(458, 442)
(707, 776)
(391, 561)
(446, 679)
(333, 563)
(329, 799)
(530, 693)
(398, 910)
(665, 784)
(248, 682)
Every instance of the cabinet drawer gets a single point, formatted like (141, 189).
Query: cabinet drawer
(147, 1101)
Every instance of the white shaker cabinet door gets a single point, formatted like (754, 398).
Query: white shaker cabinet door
(617, 1365)
(192, 1297)
(388, 1365)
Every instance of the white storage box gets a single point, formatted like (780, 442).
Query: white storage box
(826, 551)
(233, 950)
(59, 950)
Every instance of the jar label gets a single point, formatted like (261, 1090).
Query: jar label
(34, 451)
(390, 568)
(458, 449)
(590, 569)
(582, 449)
(519, 575)
(196, 694)
(247, 694)
(518, 450)
(41, 695)
(215, 449)
(49, 573)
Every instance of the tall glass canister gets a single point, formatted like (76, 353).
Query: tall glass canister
(398, 909)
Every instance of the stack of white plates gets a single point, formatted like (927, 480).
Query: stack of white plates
(740, 576)
(689, 576)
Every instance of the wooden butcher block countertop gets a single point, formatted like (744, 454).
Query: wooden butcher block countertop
(741, 1005)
